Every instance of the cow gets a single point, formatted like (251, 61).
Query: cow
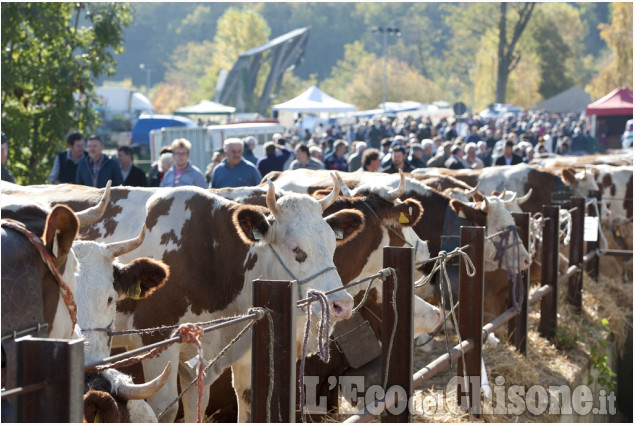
(215, 248)
(95, 278)
(551, 185)
(360, 257)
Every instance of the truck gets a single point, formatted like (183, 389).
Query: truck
(206, 140)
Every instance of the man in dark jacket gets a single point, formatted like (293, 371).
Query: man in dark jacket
(271, 161)
(455, 162)
(65, 164)
(508, 157)
(96, 169)
(131, 174)
(399, 161)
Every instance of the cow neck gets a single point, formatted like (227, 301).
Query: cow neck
(299, 281)
(65, 291)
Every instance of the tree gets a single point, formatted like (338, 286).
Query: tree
(507, 55)
(238, 31)
(49, 66)
(619, 37)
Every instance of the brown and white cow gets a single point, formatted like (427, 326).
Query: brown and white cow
(215, 248)
(94, 276)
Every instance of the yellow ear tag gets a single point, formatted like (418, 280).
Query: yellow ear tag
(97, 418)
(134, 292)
(617, 233)
(403, 219)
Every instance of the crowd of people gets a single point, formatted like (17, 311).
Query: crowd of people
(377, 144)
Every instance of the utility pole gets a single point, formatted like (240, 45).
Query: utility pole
(385, 32)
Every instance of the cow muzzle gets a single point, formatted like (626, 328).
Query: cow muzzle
(341, 308)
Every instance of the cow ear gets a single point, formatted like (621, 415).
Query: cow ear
(100, 406)
(251, 223)
(346, 224)
(406, 213)
(140, 278)
(568, 176)
(60, 230)
(474, 215)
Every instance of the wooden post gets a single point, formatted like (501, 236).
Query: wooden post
(471, 317)
(59, 363)
(550, 244)
(593, 266)
(517, 327)
(400, 362)
(574, 295)
(280, 297)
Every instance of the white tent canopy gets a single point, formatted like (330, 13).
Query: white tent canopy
(314, 100)
(205, 107)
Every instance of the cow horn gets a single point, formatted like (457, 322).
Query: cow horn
(91, 215)
(124, 247)
(328, 200)
(472, 191)
(399, 190)
(143, 391)
(343, 187)
(502, 195)
(525, 198)
(510, 200)
(271, 199)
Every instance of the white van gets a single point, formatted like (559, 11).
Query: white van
(206, 140)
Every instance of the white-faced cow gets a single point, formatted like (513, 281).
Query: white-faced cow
(215, 249)
(92, 275)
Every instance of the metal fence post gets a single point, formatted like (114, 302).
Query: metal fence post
(593, 266)
(59, 363)
(279, 297)
(517, 327)
(574, 294)
(399, 346)
(471, 317)
(550, 244)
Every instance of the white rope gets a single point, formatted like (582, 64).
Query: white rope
(565, 218)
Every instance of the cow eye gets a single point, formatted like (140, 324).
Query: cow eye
(110, 300)
(300, 255)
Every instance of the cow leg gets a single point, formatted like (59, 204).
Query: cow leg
(241, 377)
(151, 369)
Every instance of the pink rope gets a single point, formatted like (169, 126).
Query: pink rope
(192, 334)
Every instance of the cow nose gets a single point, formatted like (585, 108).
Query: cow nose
(342, 309)
(439, 316)
(526, 263)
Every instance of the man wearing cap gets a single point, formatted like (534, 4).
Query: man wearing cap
(416, 156)
(7, 176)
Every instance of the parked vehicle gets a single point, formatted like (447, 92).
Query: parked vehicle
(496, 110)
(140, 136)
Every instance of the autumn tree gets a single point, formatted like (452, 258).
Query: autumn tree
(618, 35)
(238, 31)
(50, 63)
(507, 56)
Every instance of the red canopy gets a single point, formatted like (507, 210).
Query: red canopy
(618, 102)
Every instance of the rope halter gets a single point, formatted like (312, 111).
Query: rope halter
(300, 281)
(65, 291)
(509, 240)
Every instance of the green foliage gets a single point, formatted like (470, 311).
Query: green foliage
(599, 360)
(565, 338)
(49, 66)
